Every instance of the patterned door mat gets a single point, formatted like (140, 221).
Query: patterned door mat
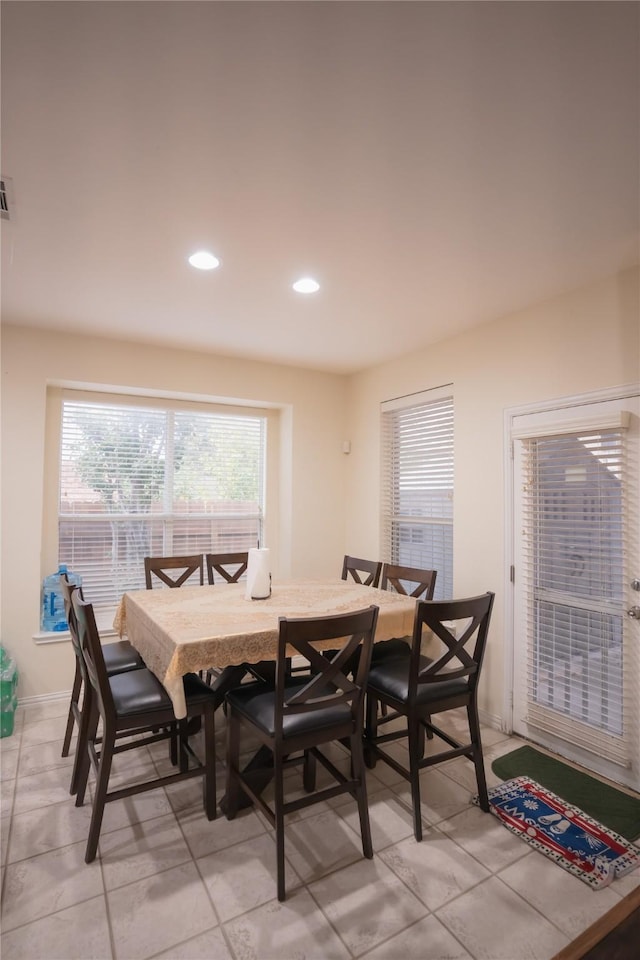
(563, 832)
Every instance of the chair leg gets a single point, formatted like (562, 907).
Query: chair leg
(81, 745)
(99, 800)
(371, 730)
(279, 823)
(232, 792)
(414, 771)
(359, 773)
(75, 699)
(182, 739)
(429, 730)
(478, 760)
(309, 772)
(209, 778)
(85, 762)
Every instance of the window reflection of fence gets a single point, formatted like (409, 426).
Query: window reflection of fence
(429, 546)
(110, 549)
(422, 533)
(579, 666)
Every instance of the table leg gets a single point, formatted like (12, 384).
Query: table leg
(259, 771)
(260, 767)
(229, 678)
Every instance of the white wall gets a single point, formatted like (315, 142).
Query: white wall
(580, 342)
(312, 509)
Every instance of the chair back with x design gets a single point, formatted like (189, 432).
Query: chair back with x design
(329, 685)
(228, 566)
(366, 572)
(417, 687)
(462, 628)
(174, 571)
(410, 581)
(299, 715)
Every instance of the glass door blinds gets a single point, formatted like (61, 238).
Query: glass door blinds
(575, 649)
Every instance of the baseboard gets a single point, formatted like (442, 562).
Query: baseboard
(45, 698)
(490, 720)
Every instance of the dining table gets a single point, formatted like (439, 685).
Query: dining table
(193, 629)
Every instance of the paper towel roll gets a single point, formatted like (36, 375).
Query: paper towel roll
(258, 574)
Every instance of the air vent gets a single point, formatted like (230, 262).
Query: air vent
(6, 197)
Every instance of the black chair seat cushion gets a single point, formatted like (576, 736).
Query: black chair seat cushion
(120, 656)
(385, 649)
(391, 677)
(139, 691)
(256, 701)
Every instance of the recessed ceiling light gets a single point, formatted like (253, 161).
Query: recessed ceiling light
(306, 285)
(203, 260)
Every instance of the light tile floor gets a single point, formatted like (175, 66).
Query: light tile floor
(169, 884)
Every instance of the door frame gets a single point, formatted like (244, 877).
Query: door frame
(621, 392)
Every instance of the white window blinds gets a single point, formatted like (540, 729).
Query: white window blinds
(140, 481)
(574, 545)
(417, 485)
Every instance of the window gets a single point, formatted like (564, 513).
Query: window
(417, 484)
(142, 480)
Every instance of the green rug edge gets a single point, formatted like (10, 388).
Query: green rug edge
(612, 808)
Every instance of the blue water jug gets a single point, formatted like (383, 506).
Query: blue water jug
(53, 616)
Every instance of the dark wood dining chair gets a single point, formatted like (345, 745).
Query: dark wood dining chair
(418, 687)
(300, 714)
(362, 571)
(119, 657)
(411, 582)
(135, 705)
(173, 571)
(365, 572)
(229, 567)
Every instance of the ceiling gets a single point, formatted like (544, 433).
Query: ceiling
(432, 165)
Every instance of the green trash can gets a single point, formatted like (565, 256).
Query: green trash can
(8, 692)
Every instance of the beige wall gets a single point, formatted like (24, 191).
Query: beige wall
(310, 533)
(581, 342)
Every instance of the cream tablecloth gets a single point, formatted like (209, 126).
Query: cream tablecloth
(193, 628)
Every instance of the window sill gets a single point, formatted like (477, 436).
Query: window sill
(63, 636)
(105, 628)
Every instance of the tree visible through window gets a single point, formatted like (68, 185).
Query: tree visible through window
(140, 481)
